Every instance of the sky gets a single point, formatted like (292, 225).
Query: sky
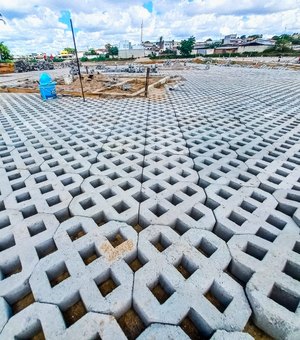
(43, 26)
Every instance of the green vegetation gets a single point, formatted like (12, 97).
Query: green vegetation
(111, 50)
(91, 51)
(173, 56)
(70, 50)
(213, 44)
(292, 39)
(255, 36)
(5, 56)
(168, 52)
(98, 58)
(58, 60)
(186, 46)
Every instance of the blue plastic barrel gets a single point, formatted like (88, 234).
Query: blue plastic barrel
(47, 87)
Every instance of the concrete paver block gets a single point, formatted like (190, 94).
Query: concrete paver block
(224, 335)
(89, 262)
(106, 199)
(158, 331)
(271, 268)
(22, 242)
(178, 205)
(207, 175)
(289, 203)
(46, 319)
(245, 210)
(187, 279)
(46, 193)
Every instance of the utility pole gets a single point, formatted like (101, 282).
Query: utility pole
(142, 27)
(75, 48)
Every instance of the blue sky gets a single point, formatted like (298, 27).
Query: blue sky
(149, 6)
(43, 26)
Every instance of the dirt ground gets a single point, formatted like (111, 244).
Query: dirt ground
(96, 84)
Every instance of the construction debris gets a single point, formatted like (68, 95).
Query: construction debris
(95, 85)
(26, 66)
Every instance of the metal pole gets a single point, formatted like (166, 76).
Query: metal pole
(147, 81)
(75, 48)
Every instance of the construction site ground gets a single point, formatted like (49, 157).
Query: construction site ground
(93, 85)
(175, 216)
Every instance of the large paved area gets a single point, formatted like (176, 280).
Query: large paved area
(163, 218)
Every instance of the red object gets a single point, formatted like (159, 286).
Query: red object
(45, 57)
(51, 57)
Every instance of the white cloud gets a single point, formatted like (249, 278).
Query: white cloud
(33, 26)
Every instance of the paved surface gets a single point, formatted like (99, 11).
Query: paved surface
(173, 217)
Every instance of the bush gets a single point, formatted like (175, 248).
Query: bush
(57, 60)
(173, 56)
(275, 52)
(100, 58)
(84, 59)
(225, 55)
(6, 61)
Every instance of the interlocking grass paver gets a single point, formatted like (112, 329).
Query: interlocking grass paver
(181, 206)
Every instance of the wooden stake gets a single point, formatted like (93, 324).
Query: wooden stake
(147, 81)
(77, 60)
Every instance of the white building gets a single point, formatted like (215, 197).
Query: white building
(258, 45)
(124, 45)
(204, 51)
(135, 51)
(232, 39)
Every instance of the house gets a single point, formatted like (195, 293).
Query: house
(171, 45)
(205, 51)
(258, 45)
(136, 51)
(65, 55)
(80, 54)
(151, 48)
(232, 39)
(101, 51)
(199, 46)
(149, 45)
(124, 45)
(226, 49)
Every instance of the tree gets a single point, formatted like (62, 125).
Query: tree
(114, 51)
(254, 36)
(186, 46)
(91, 51)
(111, 50)
(292, 39)
(70, 50)
(4, 52)
(282, 43)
